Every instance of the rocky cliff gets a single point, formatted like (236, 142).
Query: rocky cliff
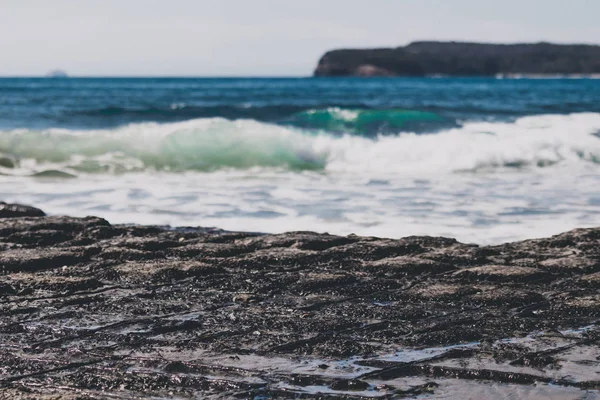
(462, 59)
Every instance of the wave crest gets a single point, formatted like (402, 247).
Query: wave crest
(529, 142)
(368, 122)
(201, 145)
(351, 119)
(215, 143)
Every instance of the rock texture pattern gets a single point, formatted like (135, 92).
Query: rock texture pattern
(89, 310)
(462, 59)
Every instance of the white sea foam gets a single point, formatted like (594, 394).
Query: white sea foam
(528, 142)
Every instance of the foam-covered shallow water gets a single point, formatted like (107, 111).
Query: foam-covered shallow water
(383, 157)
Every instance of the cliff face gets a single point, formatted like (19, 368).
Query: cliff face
(462, 59)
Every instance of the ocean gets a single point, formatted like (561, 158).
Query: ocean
(482, 160)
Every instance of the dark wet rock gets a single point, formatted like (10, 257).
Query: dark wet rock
(177, 367)
(6, 289)
(591, 279)
(91, 308)
(32, 260)
(349, 384)
(7, 162)
(17, 210)
(529, 300)
(539, 362)
(406, 265)
(570, 263)
(497, 273)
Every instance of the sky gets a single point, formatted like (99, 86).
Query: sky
(259, 37)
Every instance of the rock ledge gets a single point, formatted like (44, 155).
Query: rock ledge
(93, 310)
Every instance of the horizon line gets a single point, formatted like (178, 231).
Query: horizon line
(166, 76)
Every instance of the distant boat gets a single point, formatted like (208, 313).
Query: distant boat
(57, 73)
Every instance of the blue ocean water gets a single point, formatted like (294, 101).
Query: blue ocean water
(484, 160)
(108, 102)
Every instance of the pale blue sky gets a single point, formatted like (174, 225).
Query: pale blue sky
(259, 37)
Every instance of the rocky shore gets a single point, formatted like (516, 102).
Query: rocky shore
(91, 310)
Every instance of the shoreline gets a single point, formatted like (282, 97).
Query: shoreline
(93, 310)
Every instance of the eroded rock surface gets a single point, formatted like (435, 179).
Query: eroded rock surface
(93, 310)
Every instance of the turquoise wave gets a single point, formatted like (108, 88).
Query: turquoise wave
(369, 122)
(213, 144)
(197, 145)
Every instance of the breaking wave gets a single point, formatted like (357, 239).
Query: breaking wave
(349, 119)
(215, 143)
(201, 145)
(366, 122)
